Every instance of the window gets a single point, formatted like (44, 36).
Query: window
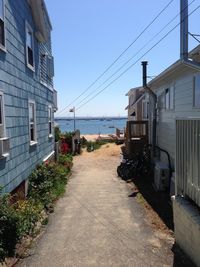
(169, 98)
(29, 47)
(32, 122)
(197, 91)
(50, 120)
(2, 24)
(145, 110)
(46, 68)
(2, 124)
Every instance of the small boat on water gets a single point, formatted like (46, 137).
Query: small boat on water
(112, 126)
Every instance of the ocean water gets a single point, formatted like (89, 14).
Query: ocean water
(92, 126)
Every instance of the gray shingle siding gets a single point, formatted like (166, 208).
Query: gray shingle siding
(20, 84)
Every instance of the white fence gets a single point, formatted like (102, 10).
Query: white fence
(188, 158)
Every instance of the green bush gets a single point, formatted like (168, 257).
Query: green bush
(8, 229)
(45, 181)
(57, 133)
(29, 213)
(66, 160)
(94, 145)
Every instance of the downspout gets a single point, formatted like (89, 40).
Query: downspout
(154, 98)
(184, 37)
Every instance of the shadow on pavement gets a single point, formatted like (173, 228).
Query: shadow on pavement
(160, 202)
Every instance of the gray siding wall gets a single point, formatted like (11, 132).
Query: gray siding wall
(183, 107)
(20, 84)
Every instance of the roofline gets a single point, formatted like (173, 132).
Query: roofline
(133, 89)
(174, 66)
(47, 13)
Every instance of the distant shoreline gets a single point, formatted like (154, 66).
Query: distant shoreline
(90, 118)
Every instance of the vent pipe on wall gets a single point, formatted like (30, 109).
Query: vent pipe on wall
(184, 30)
(184, 37)
(154, 104)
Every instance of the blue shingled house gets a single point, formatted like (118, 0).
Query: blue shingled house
(27, 95)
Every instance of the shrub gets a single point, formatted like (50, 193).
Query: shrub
(91, 146)
(8, 229)
(29, 213)
(57, 133)
(45, 182)
(66, 160)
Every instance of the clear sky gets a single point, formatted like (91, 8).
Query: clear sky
(89, 35)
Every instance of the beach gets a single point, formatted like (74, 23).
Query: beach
(93, 137)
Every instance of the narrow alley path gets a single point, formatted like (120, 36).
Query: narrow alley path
(97, 224)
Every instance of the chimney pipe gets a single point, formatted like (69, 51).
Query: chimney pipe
(144, 72)
(184, 30)
(154, 103)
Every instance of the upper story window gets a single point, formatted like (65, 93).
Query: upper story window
(32, 122)
(46, 68)
(145, 110)
(2, 24)
(29, 47)
(50, 120)
(197, 91)
(169, 98)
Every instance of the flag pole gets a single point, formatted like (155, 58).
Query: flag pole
(74, 119)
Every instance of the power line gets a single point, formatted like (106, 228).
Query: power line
(146, 44)
(135, 61)
(124, 51)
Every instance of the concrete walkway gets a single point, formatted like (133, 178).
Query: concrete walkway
(97, 223)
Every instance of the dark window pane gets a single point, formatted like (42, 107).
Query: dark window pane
(30, 56)
(2, 33)
(50, 128)
(32, 135)
(1, 119)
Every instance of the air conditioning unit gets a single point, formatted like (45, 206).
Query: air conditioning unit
(4, 147)
(161, 176)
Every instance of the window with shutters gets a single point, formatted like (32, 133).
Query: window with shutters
(46, 69)
(2, 24)
(29, 47)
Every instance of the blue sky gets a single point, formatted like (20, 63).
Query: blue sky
(89, 35)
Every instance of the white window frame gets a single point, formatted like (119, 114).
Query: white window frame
(194, 92)
(170, 97)
(34, 141)
(50, 121)
(2, 123)
(27, 30)
(3, 47)
(145, 116)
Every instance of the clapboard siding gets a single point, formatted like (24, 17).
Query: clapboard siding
(20, 84)
(183, 107)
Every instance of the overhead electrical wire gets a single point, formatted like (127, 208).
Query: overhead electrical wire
(90, 99)
(124, 51)
(146, 44)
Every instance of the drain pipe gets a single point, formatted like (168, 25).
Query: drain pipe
(154, 98)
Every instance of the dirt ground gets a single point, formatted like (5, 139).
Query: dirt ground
(98, 222)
